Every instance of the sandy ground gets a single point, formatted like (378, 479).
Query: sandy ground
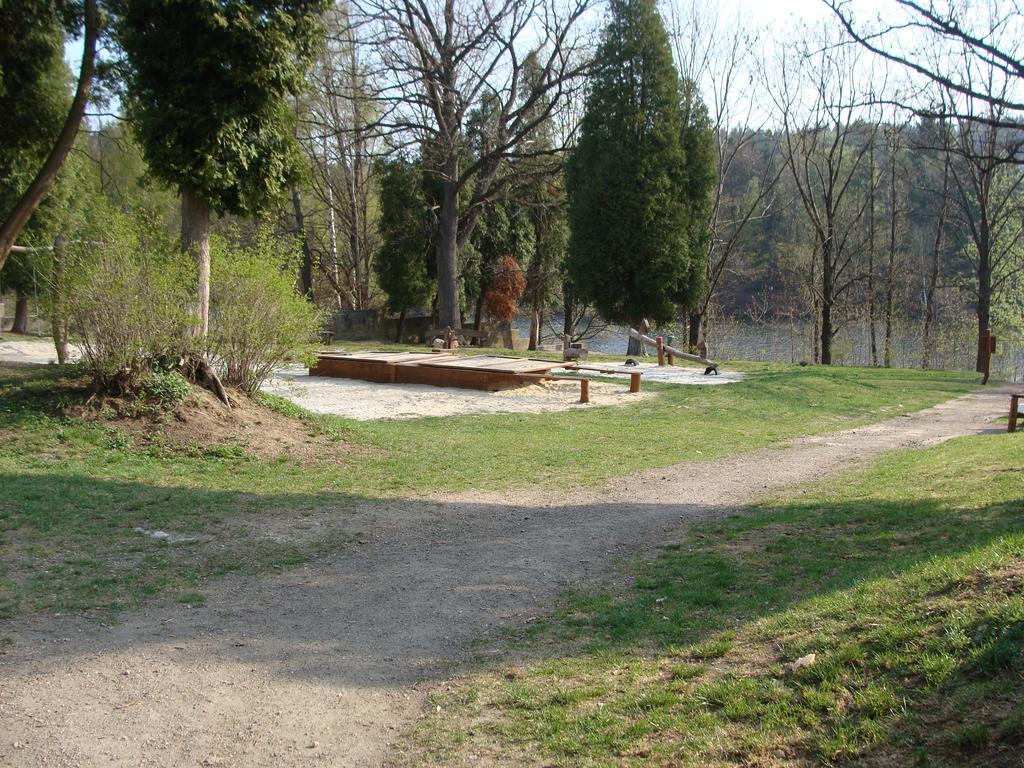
(365, 401)
(676, 374)
(18, 349)
(327, 665)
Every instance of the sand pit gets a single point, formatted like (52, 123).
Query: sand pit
(366, 401)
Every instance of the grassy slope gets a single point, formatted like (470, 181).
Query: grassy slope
(72, 492)
(906, 581)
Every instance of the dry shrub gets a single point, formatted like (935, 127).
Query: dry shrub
(505, 290)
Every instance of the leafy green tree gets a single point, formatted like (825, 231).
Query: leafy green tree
(40, 121)
(629, 203)
(403, 263)
(207, 90)
(34, 99)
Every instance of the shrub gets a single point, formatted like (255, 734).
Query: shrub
(258, 319)
(505, 290)
(167, 388)
(127, 303)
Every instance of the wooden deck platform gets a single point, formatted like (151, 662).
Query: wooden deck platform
(440, 369)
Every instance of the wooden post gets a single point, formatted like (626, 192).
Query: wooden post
(1011, 425)
(661, 350)
(669, 355)
(584, 390)
(634, 382)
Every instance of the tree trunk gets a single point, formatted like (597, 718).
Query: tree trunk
(567, 305)
(400, 331)
(478, 314)
(933, 274)
(306, 271)
(20, 324)
(827, 299)
(333, 239)
(635, 347)
(448, 309)
(693, 338)
(984, 302)
(195, 240)
(41, 184)
(872, 340)
(358, 298)
(534, 328)
(890, 273)
(58, 320)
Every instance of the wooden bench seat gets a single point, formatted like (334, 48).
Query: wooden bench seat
(1016, 411)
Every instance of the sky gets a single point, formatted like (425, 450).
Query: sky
(763, 12)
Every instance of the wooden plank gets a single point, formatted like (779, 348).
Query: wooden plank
(472, 361)
(353, 369)
(522, 367)
(499, 363)
(460, 378)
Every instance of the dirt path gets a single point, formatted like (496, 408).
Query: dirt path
(326, 665)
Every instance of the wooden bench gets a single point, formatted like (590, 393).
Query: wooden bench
(1016, 411)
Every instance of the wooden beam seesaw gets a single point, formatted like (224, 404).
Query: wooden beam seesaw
(709, 365)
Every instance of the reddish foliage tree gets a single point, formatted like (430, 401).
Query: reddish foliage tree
(505, 290)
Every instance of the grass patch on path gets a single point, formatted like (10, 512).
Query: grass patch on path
(72, 492)
(878, 621)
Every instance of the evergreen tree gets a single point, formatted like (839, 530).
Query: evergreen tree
(34, 100)
(629, 203)
(39, 118)
(403, 263)
(208, 83)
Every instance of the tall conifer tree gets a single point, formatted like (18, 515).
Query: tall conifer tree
(629, 203)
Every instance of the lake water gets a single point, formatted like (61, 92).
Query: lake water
(784, 342)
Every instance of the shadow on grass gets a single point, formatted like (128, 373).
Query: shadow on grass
(416, 580)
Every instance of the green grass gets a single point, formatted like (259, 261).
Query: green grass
(906, 581)
(72, 492)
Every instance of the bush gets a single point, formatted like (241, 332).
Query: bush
(167, 388)
(505, 290)
(258, 319)
(128, 303)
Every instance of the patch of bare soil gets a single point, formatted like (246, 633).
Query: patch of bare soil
(201, 423)
(328, 664)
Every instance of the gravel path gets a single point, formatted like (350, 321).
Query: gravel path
(328, 664)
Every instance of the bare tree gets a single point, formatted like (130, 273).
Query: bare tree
(342, 148)
(897, 197)
(433, 62)
(987, 183)
(826, 140)
(943, 42)
(714, 51)
(932, 280)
